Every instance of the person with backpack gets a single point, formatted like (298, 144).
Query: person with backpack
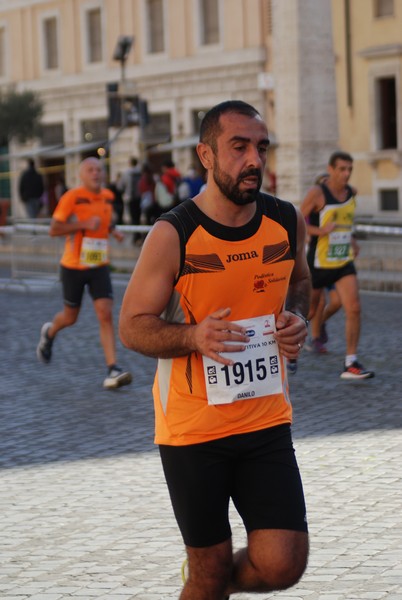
(167, 188)
(131, 194)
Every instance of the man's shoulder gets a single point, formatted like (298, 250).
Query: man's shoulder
(108, 194)
(274, 203)
(317, 190)
(314, 198)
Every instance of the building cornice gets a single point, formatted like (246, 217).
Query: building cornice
(373, 158)
(383, 51)
(16, 4)
(152, 70)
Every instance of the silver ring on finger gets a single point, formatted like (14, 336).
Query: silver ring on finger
(299, 346)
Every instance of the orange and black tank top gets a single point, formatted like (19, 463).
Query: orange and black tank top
(248, 269)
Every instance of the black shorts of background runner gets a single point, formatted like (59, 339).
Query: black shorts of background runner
(322, 278)
(257, 470)
(74, 281)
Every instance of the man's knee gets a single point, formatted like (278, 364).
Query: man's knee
(70, 316)
(283, 564)
(104, 311)
(285, 573)
(352, 307)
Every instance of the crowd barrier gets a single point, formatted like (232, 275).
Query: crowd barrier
(379, 261)
(32, 254)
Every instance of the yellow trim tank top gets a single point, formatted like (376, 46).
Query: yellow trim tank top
(334, 250)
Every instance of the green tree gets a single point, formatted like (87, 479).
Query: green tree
(20, 115)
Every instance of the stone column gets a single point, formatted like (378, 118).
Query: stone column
(305, 94)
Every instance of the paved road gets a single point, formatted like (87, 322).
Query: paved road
(84, 508)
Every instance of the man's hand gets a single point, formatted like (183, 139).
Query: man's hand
(118, 235)
(326, 229)
(211, 336)
(291, 334)
(91, 224)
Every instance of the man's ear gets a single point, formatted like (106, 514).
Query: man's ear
(206, 155)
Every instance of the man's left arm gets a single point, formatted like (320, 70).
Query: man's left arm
(292, 322)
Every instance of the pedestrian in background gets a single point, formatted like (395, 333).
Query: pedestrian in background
(218, 296)
(84, 215)
(149, 208)
(31, 189)
(118, 204)
(131, 195)
(191, 184)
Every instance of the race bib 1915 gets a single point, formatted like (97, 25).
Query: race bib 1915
(256, 371)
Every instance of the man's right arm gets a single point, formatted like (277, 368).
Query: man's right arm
(314, 202)
(141, 326)
(58, 228)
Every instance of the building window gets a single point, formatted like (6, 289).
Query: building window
(383, 8)
(159, 129)
(52, 134)
(209, 12)
(389, 200)
(387, 107)
(51, 57)
(156, 38)
(94, 35)
(94, 130)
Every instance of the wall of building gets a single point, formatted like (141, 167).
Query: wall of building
(185, 77)
(375, 51)
(305, 95)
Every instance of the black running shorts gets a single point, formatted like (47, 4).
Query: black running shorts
(322, 278)
(257, 470)
(74, 281)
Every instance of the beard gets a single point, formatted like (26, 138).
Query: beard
(231, 188)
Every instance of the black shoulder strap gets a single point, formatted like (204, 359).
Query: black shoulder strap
(330, 199)
(183, 218)
(284, 213)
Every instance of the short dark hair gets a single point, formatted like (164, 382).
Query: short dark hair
(339, 155)
(210, 128)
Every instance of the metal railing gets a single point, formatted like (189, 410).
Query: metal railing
(31, 253)
(379, 262)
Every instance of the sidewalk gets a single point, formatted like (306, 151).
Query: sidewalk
(84, 508)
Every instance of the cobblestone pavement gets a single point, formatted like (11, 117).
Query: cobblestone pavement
(84, 508)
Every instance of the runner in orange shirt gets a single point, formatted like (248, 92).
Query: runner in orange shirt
(218, 296)
(84, 216)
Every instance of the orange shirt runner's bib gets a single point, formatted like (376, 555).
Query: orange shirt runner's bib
(247, 269)
(86, 249)
(256, 371)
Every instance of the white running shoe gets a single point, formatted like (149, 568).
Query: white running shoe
(117, 378)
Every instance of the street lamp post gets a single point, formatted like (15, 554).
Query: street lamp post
(121, 52)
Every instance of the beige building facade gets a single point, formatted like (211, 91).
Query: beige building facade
(186, 56)
(368, 59)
